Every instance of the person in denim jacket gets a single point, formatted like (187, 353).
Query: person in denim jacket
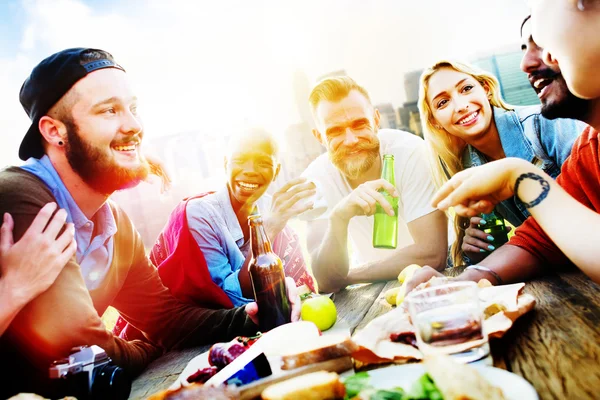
(467, 123)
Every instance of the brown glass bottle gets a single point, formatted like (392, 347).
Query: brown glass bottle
(268, 279)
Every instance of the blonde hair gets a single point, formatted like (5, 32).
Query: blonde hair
(334, 89)
(446, 150)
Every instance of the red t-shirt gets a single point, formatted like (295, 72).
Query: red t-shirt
(580, 177)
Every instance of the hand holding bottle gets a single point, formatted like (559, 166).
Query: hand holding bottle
(364, 199)
(292, 293)
(477, 244)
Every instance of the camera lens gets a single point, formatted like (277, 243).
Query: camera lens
(110, 382)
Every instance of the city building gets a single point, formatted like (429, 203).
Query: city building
(389, 117)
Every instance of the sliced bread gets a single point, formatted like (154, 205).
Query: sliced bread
(320, 385)
(460, 382)
(318, 349)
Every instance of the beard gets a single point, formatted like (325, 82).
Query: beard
(353, 169)
(569, 106)
(96, 167)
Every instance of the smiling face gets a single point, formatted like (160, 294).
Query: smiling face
(548, 82)
(571, 37)
(459, 104)
(104, 132)
(251, 167)
(348, 130)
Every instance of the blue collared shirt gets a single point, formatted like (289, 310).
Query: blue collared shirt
(525, 134)
(94, 254)
(217, 232)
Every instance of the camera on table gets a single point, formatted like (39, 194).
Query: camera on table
(88, 373)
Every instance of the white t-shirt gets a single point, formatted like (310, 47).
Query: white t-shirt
(413, 182)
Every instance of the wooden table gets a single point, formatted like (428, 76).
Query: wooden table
(556, 347)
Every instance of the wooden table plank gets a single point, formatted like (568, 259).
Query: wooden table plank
(163, 372)
(354, 302)
(379, 307)
(557, 346)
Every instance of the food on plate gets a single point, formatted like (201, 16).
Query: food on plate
(386, 339)
(221, 354)
(319, 310)
(493, 309)
(202, 375)
(319, 349)
(395, 296)
(452, 328)
(358, 387)
(401, 294)
(320, 385)
(445, 379)
(407, 337)
(197, 391)
(390, 295)
(389, 337)
(460, 382)
(502, 305)
(408, 272)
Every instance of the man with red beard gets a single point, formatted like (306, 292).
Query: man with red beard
(84, 144)
(349, 174)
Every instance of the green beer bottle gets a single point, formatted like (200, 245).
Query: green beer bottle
(385, 229)
(494, 226)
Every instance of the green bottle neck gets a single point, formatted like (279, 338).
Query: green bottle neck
(387, 172)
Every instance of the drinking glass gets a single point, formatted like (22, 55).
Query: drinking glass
(448, 320)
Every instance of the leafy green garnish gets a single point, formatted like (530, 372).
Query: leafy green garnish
(356, 383)
(305, 296)
(421, 389)
(392, 394)
(424, 389)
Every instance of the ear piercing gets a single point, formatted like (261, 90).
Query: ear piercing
(60, 143)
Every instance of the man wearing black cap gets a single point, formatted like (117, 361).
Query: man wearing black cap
(84, 144)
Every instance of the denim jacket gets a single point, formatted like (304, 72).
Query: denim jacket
(525, 134)
(214, 225)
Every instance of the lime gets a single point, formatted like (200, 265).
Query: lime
(319, 310)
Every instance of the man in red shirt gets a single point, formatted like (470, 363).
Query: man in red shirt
(530, 251)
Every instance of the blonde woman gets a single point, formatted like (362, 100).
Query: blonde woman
(566, 212)
(467, 123)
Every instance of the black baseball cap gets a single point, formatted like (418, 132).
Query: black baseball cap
(49, 81)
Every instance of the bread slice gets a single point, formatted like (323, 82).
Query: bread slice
(318, 349)
(197, 391)
(320, 385)
(459, 381)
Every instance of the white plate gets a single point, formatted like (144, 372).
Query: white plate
(513, 386)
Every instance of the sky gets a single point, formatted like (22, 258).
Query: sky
(216, 66)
